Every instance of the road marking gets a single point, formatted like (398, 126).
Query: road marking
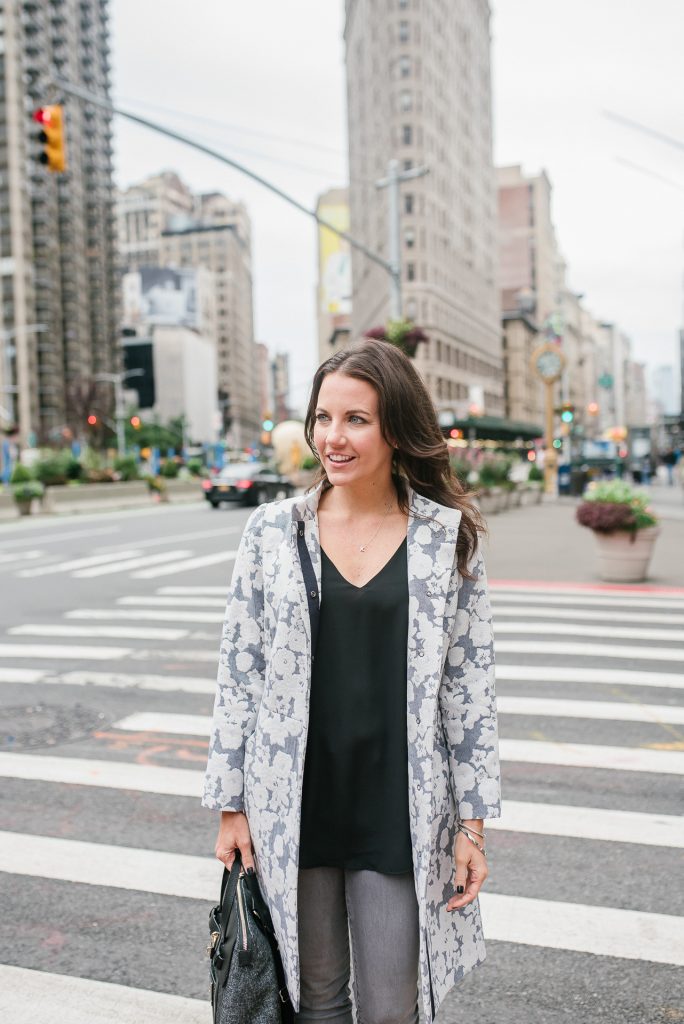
(122, 867)
(204, 591)
(592, 755)
(599, 676)
(185, 566)
(617, 591)
(589, 650)
(578, 629)
(139, 614)
(22, 675)
(105, 774)
(610, 601)
(177, 602)
(596, 615)
(82, 1001)
(20, 556)
(174, 654)
(56, 537)
(603, 931)
(53, 651)
(117, 680)
(74, 563)
(109, 632)
(175, 538)
(152, 721)
(590, 823)
(614, 711)
(131, 563)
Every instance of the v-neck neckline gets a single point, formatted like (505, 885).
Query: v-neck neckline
(373, 578)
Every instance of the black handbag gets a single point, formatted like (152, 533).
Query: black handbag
(247, 977)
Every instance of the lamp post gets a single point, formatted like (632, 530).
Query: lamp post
(547, 363)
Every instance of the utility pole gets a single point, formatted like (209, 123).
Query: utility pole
(392, 182)
(117, 380)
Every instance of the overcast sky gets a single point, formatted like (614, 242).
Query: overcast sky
(264, 82)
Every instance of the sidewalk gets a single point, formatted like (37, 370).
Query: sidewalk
(545, 542)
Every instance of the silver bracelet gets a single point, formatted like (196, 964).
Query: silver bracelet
(473, 830)
(470, 839)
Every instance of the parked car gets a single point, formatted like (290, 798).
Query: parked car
(246, 483)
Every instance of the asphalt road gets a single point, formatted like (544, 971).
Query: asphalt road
(110, 628)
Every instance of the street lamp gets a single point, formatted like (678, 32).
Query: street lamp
(117, 380)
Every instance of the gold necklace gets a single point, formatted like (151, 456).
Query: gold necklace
(387, 510)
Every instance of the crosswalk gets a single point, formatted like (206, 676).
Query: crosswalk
(590, 683)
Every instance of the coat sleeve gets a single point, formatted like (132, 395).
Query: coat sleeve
(240, 680)
(467, 700)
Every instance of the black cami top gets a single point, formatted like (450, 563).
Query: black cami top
(355, 811)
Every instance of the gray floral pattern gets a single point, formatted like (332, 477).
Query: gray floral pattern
(258, 741)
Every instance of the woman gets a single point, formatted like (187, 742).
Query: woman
(354, 751)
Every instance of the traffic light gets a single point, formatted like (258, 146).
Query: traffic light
(51, 120)
(136, 422)
(92, 420)
(568, 412)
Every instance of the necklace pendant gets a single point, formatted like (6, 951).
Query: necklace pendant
(362, 548)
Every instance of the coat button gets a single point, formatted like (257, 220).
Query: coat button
(313, 593)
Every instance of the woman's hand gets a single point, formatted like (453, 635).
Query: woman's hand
(234, 834)
(471, 869)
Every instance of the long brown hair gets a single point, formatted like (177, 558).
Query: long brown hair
(409, 420)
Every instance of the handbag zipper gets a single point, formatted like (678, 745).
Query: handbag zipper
(245, 954)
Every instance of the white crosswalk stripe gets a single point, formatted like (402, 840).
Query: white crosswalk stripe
(562, 674)
(113, 632)
(162, 615)
(582, 629)
(183, 566)
(588, 929)
(627, 652)
(127, 564)
(83, 1001)
(55, 652)
(76, 563)
(524, 613)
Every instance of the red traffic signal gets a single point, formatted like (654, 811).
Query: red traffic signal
(136, 422)
(92, 420)
(51, 118)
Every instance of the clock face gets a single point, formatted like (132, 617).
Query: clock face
(549, 365)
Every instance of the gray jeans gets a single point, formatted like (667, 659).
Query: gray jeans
(381, 913)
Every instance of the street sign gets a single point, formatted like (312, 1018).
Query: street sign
(606, 381)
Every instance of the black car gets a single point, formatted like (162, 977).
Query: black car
(246, 483)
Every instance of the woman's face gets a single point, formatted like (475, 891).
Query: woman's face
(347, 424)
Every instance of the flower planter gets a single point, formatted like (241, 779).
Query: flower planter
(24, 507)
(624, 557)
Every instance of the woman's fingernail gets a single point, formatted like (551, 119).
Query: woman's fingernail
(460, 889)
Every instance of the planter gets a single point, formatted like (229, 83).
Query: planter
(24, 507)
(490, 501)
(624, 557)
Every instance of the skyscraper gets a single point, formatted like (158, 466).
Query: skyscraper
(419, 90)
(57, 247)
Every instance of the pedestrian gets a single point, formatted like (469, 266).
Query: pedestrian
(354, 750)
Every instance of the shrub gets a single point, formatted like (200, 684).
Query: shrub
(56, 468)
(28, 490)
(614, 505)
(21, 474)
(169, 469)
(535, 473)
(127, 467)
(494, 471)
(195, 466)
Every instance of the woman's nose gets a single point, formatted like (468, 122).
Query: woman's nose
(336, 433)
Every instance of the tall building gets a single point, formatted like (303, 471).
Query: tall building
(163, 224)
(59, 326)
(419, 91)
(333, 294)
(530, 268)
(144, 211)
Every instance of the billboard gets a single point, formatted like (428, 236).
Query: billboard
(334, 260)
(161, 295)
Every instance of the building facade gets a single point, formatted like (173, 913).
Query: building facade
(57, 245)
(419, 91)
(163, 224)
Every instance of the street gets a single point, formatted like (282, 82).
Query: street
(110, 629)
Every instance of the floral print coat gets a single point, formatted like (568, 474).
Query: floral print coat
(258, 741)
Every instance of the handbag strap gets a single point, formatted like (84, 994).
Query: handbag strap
(310, 583)
(229, 884)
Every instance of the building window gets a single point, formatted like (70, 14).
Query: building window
(408, 203)
(410, 271)
(403, 4)
(404, 67)
(407, 134)
(406, 100)
(409, 237)
(403, 31)
(408, 164)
